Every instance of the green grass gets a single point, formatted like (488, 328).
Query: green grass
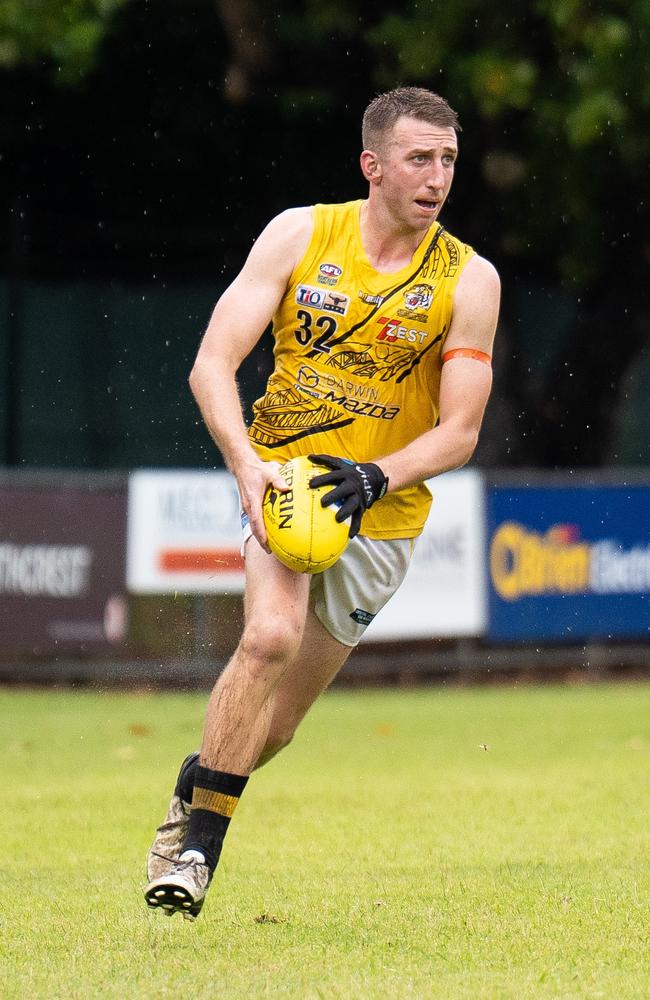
(385, 854)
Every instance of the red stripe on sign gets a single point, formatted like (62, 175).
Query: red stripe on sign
(200, 560)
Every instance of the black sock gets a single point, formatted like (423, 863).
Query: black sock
(185, 781)
(215, 795)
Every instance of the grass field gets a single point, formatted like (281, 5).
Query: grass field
(470, 844)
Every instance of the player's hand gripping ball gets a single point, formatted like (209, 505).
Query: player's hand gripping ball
(304, 535)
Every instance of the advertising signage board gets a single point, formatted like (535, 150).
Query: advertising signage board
(184, 533)
(569, 563)
(443, 593)
(185, 536)
(62, 567)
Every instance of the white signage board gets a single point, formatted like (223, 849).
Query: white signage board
(184, 536)
(184, 533)
(444, 592)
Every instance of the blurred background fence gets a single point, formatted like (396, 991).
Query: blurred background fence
(139, 578)
(98, 378)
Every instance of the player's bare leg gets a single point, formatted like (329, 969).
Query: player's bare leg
(319, 659)
(237, 724)
(242, 702)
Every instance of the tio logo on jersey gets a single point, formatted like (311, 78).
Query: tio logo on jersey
(320, 299)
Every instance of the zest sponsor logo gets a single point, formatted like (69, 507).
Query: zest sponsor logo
(391, 332)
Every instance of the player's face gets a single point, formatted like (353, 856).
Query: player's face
(417, 169)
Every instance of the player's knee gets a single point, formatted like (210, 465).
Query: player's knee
(272, 643)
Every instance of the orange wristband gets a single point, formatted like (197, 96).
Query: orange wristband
(467, 352)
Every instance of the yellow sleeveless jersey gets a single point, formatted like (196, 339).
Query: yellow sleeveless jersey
(357, 357)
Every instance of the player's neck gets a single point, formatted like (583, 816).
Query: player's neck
(389, 245)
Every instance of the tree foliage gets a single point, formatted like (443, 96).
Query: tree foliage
(184, 127)
(67, 33)
(562, 92)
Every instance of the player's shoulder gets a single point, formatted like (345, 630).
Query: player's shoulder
(303, 218)
(483, 268)
(479, 276)
(290, 223)
(285, 238)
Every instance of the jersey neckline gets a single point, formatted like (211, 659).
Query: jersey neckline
(391, 276)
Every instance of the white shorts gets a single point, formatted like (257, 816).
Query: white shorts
(347, 596)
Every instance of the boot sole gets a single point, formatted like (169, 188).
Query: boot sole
(173, 899)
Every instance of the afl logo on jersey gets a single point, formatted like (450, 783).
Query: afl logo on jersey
(329, 274)
(331, 270)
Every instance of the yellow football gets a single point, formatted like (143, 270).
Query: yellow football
(303, 535)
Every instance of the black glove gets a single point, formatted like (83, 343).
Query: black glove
(357, 486)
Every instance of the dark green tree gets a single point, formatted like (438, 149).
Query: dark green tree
(68, 34)
(562, 96)
(205, 119)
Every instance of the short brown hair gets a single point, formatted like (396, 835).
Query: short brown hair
(413, 102)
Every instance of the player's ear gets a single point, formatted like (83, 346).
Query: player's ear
(370, 166)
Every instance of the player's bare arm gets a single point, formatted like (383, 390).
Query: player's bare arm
(239, 319)
(465, 383)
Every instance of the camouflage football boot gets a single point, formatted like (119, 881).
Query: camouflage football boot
(181, 890)
(170, 835)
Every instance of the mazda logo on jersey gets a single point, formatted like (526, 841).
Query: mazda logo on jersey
(308, 377)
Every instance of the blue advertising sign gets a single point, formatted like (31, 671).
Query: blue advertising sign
(569, 563)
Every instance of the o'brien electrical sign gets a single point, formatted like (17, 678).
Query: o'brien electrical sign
(569, 563)
(62, 566)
